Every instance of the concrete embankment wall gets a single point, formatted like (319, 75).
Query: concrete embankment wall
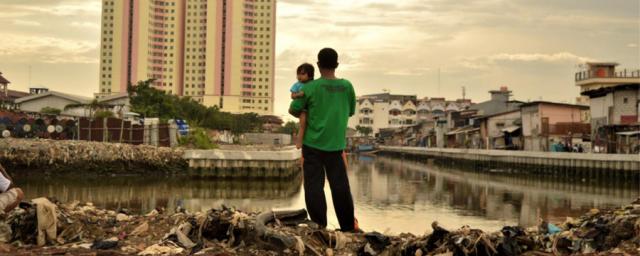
(245, 163)
(621, 163)
(85, 157)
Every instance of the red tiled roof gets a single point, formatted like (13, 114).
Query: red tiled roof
(12, 95)
(3, 80)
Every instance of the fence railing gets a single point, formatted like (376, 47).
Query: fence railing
(589, 74)
(566, 129)
(19, 125)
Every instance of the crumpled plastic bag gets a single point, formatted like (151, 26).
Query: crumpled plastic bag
(181, 233)
(157, 249)
(47, 214)
(5, 233)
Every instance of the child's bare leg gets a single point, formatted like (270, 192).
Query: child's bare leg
(344, 158)
(303, 127)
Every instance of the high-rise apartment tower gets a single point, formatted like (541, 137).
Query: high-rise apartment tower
(218, 52)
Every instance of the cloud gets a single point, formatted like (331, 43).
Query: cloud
(89, 25)
(28, 23)
(82, 8)
(61, 8)
(407, 72)
(47, 50)
(539, 57)
(486, 62)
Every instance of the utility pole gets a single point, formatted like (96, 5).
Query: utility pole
(438, 81)
(464, 93)
(29, 81)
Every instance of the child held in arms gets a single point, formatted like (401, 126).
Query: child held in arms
(304, 75)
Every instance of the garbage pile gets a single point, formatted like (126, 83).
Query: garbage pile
(597, 232)
(69, 155)
(46, 227)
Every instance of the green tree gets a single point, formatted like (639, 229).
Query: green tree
(198, 139)
(104, 114)
(92, 106)
(364, 130)
(50, 111)
(150, 102)
(289, 127)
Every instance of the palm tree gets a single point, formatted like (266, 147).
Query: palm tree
(93, 106)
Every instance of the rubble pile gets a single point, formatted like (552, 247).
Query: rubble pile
(106, 157)
(43, 227)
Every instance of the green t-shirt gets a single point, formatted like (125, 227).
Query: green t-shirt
(329, 104)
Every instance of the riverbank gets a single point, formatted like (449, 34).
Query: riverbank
(82, 229)
(625, 165)
(86, 157)
(66, 156)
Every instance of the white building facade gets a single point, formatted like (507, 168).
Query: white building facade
(382, 111)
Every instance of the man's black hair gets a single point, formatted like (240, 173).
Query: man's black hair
(307, 69)
(328, 58)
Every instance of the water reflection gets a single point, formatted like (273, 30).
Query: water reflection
(424, 192)
(143, 194)
(390, 194)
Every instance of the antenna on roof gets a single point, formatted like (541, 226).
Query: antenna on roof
(438, 81)
(464, 93)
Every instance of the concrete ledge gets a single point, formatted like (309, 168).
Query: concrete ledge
(245, 163)
(628, 162)
(287, 154)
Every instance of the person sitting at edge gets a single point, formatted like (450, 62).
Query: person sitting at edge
(10, 195)
(329, 102)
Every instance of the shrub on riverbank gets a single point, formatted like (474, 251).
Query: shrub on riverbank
(151, 102)
(197, 139)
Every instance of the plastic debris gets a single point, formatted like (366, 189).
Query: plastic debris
(84, 229)
(122, 217)
(5, 233)
(140, 229)
(161, 250)
(105, 245)
(70, 155)
(47, 215)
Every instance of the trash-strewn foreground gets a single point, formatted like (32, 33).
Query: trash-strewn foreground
(42, 227)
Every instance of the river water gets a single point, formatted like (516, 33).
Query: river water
(391, 195)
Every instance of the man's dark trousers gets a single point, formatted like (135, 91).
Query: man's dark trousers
(316, 164)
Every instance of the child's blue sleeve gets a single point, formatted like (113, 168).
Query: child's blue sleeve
(297, 87)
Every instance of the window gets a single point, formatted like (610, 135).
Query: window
(625, 100)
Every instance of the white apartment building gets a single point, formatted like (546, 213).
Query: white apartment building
(380, 111)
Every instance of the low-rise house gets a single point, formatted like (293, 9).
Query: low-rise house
(614, 101)
(501, 130)
(271, 123)
(7, 96)
(118, 104)
(381, 111)
(500, 102)
(56, 100)
(464, 137)
(545, 123)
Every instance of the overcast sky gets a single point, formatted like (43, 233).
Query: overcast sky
(532, 46)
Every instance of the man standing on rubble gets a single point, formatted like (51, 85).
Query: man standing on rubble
(10, 195)
(329, 102)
